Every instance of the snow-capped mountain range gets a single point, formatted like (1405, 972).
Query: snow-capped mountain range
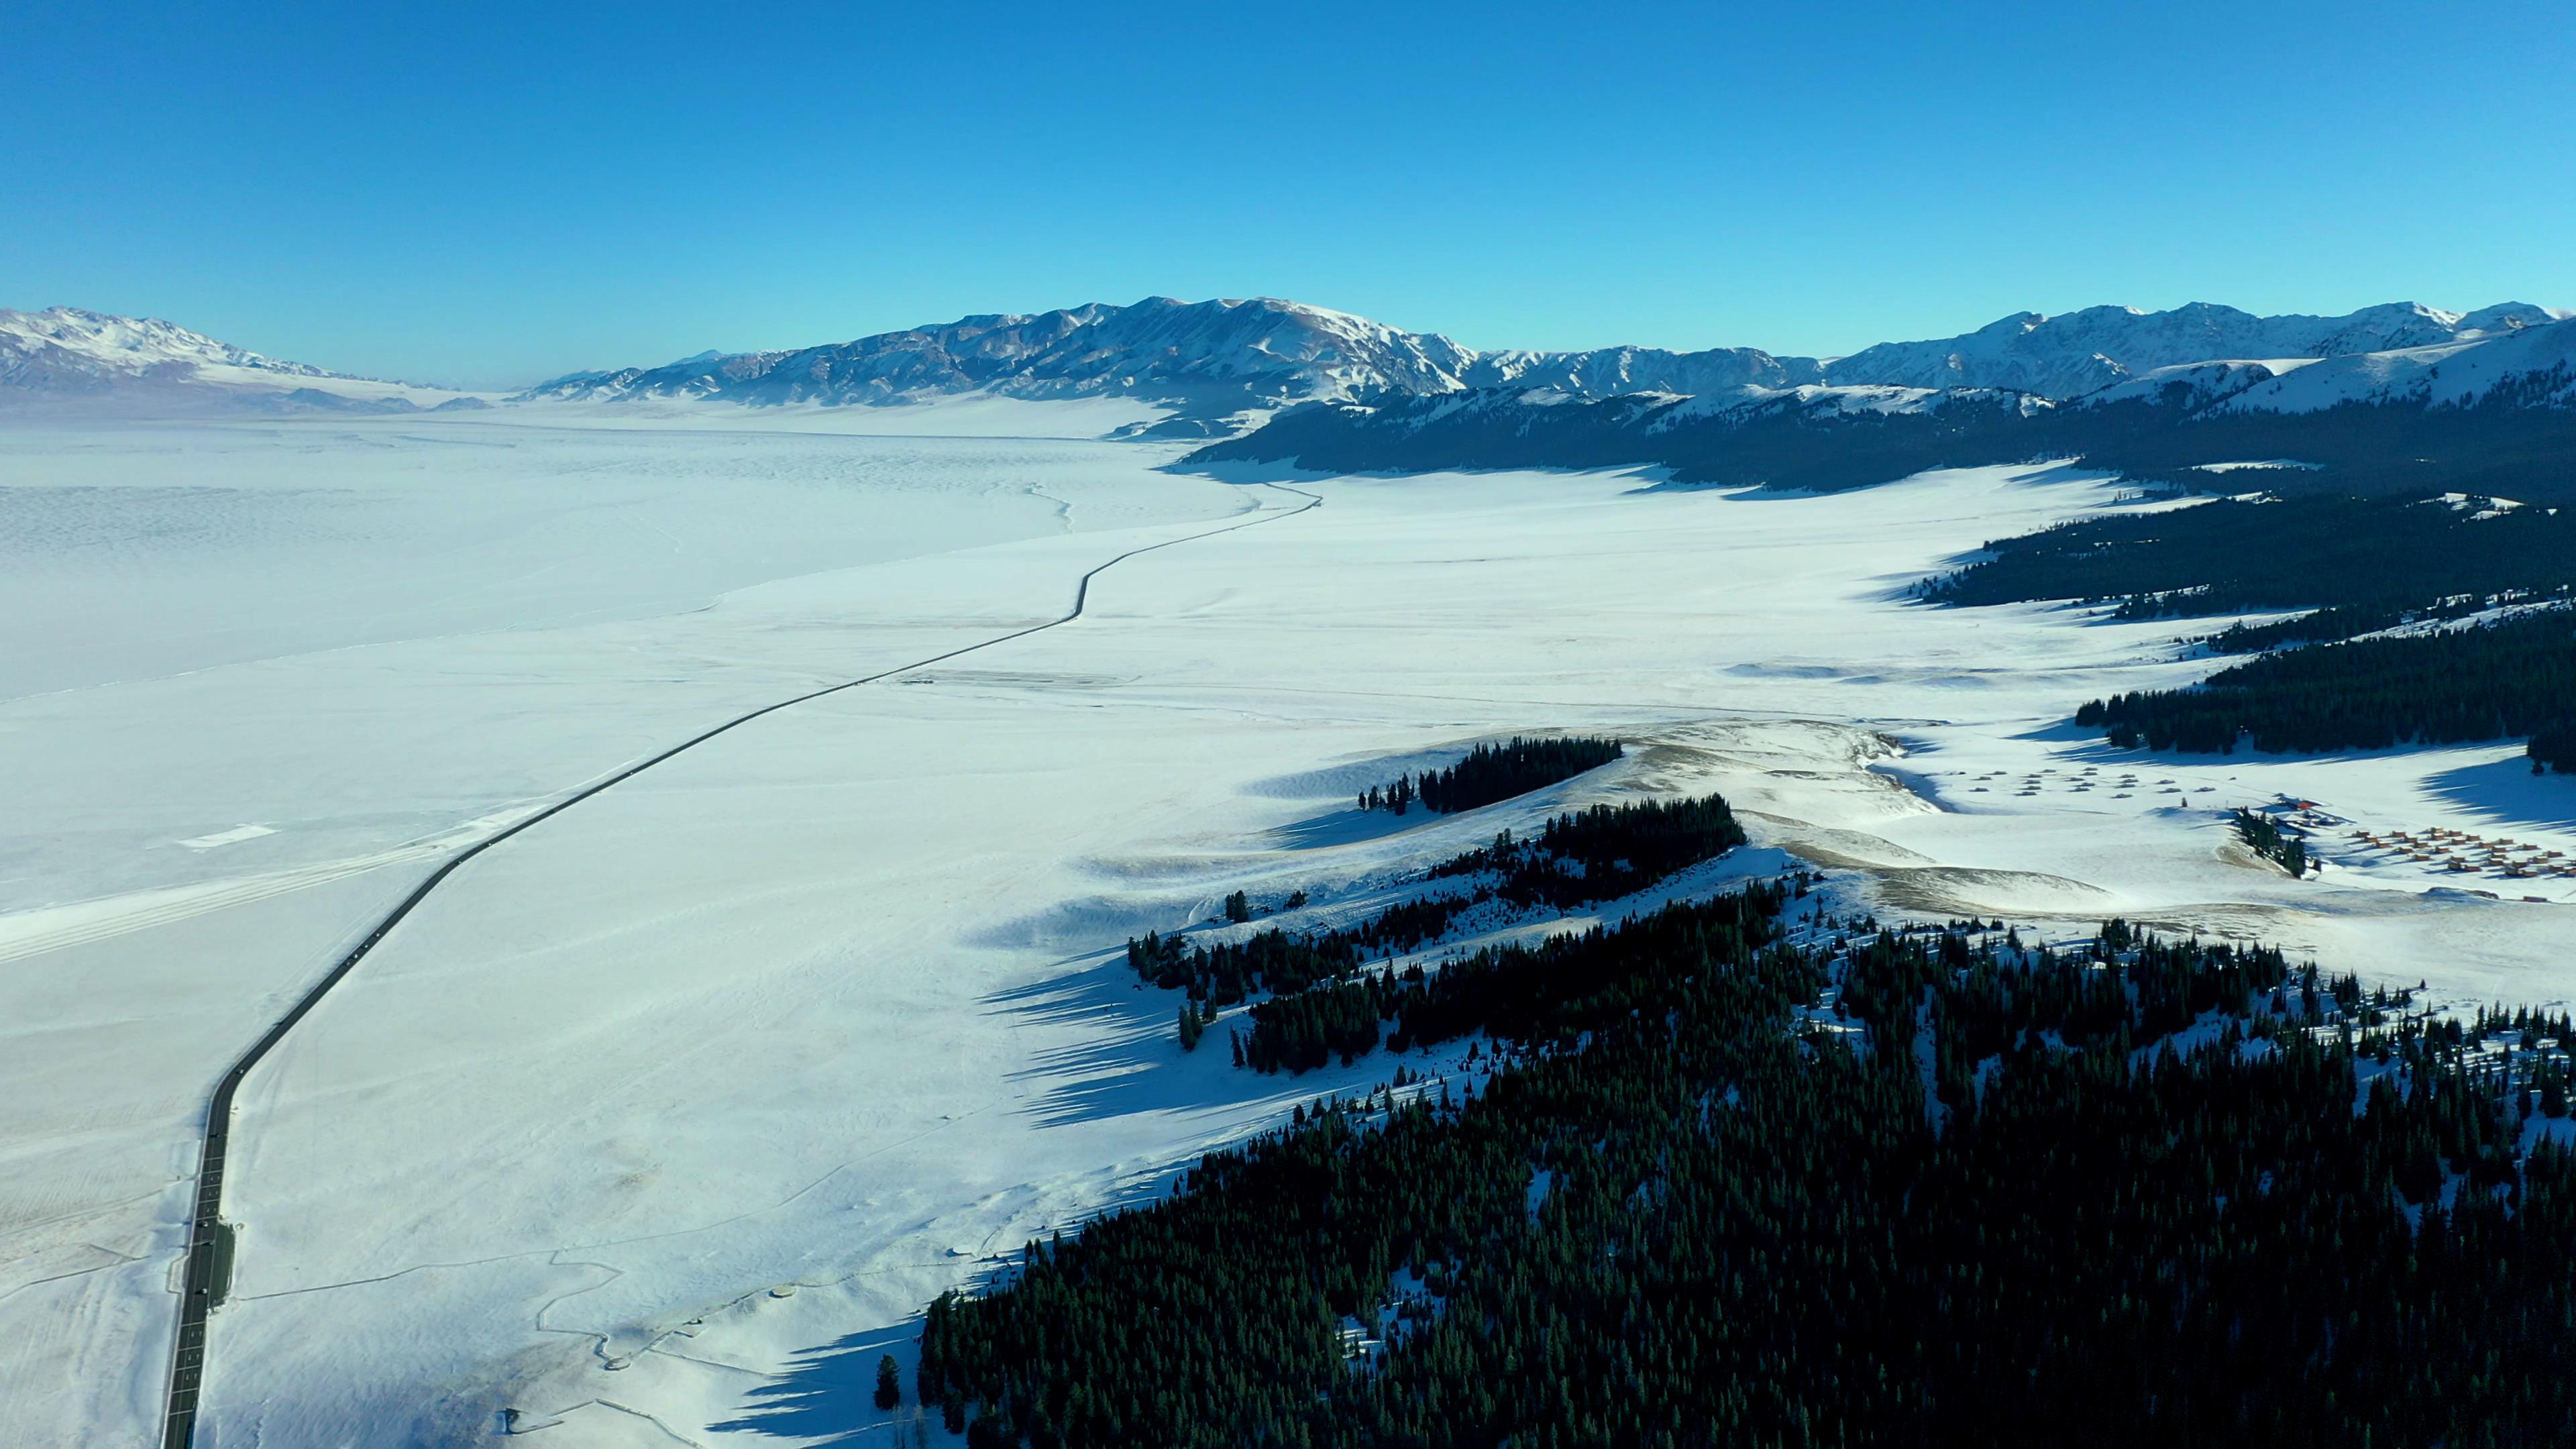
(1221, 366)
(1213, 357)
(1213, 360)
(2490, 409)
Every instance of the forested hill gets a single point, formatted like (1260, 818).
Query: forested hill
(2360, 563)
(2441, 620)
(2512, 441)
(2512, 678)
(1739, 1185)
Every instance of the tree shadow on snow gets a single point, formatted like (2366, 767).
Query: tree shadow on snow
(1347, 827)
(828, 1394)
(1130, 1059)
(2507, 792)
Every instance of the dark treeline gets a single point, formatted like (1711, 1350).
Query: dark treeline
(2492, 681)
(2361, 563)
(2554, 748)
(1491, 773)
(2266, 838)
(2511, 442)
(1754, 1206)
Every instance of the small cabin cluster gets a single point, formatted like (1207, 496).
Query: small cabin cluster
(2461, 853)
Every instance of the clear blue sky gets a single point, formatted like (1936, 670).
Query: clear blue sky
(488, 194)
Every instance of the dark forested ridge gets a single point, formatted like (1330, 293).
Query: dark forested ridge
(2360, 566)
(1322, 1002)
(1493, 773)
(2503, 444)
(1739, 1185)
(2484, 682)
(2362, 563)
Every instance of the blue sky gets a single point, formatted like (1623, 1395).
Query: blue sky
(488, 194)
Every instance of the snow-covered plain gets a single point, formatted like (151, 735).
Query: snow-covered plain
(659, 1122)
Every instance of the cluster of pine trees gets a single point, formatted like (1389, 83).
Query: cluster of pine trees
(2269, 840)
(1491, 773)
(1752, 1205)
(1603, 852)
(2553, 747)
(2484, 682)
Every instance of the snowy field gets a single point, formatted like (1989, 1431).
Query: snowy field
(660, 1122)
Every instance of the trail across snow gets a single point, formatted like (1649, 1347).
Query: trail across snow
(663, 1121)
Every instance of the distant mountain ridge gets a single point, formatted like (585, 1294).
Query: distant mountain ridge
(1221, 367)
(2490, 411)
(1212, 361)
(68, 356)
(1226, 357)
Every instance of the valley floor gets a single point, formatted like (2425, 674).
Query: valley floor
(660, 1122)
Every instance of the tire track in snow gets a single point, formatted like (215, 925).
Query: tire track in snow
(207, 1242)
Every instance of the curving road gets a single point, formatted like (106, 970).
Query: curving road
(210, 1239)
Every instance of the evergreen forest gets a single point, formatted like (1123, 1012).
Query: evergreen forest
(2514, 677)
(2386, 651)
(2513, 441)
(1733, 1176)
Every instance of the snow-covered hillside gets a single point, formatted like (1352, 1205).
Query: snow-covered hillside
(95, 345)
(2531, 366)
(1211, 357)
(2080, 352)
(1609, 371)
(66, 356)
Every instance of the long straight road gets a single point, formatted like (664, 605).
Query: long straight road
(209, 1264)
